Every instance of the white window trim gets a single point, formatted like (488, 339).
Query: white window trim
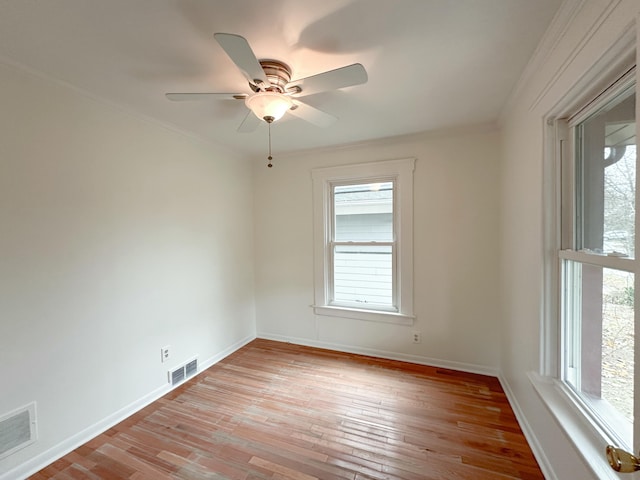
(590, 441)
(401, 171)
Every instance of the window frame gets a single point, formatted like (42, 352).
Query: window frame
(400, 172)
(333, 243)
(571, 189)
(563, 403)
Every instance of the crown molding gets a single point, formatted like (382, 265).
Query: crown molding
(555, 34)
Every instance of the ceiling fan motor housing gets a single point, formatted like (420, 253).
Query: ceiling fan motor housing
(278, 74)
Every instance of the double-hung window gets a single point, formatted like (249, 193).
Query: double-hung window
(363, 241)
(362, 247)
(598, 268)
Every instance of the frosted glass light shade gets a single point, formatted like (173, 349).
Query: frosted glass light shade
(268, 104)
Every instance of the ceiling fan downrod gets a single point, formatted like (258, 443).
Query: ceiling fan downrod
(269, 157)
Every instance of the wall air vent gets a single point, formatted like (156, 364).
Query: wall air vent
(177, 376)
(17, 429)
(183, 372)
(191, 368)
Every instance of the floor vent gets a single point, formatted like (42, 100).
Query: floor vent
(183, 372)
(17, 429)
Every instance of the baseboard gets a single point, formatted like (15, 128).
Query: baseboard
(403, 357)
(535, 445)
(49, 456)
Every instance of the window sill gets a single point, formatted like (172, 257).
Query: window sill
(367, 315)
(586, 437)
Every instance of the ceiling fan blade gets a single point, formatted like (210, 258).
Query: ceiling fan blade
(240, 53)
(312, 115)
(332, 80)
(187, 97)
(249, 124)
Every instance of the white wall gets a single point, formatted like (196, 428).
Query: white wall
(569, 51)
(117, 236)
(455, 251)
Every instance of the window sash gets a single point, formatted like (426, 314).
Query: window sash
(392, 307)
(600, 403)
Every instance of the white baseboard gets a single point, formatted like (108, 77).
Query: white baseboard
(534, 443)
(49, 456)
(403, 357)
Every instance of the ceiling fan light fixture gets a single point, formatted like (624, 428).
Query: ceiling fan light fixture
(268, 106)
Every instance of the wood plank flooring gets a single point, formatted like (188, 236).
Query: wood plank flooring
(278, 411)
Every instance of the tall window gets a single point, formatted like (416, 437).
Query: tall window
(598, 264)
(363, 241)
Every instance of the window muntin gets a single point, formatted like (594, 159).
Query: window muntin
(598, 265)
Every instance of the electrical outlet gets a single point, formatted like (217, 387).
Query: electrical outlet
(417, 337)
(165, 353)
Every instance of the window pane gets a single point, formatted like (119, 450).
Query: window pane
(363, 275)
(364, 212)
(599, 313)
(607, 178)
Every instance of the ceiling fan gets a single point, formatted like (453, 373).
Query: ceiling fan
(273, 91)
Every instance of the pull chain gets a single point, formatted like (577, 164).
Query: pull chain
(269, 157)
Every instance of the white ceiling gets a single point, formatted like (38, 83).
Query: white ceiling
(432, 64)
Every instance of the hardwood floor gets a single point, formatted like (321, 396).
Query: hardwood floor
(279, 411)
